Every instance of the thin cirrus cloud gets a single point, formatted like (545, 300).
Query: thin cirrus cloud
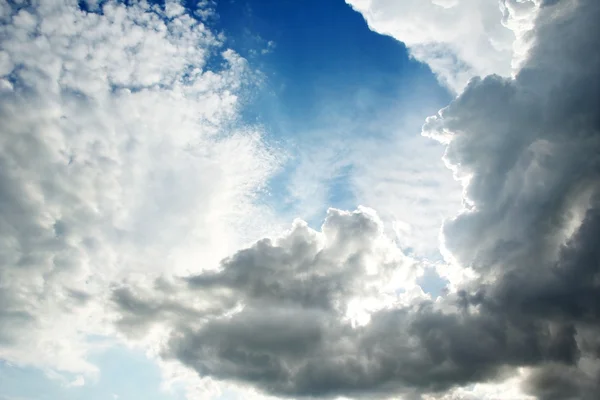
(310, 315)
(120, 154)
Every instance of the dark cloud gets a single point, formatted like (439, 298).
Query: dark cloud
(287, 308)
(530, 148)
(292, 336)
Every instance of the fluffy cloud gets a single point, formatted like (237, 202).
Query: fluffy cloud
(458, 39)
(291, 314)
(120, 153)
(332, 313)
(309, 314)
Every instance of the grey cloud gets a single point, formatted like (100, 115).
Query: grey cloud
(557, 382)
(291, 337)
(529, 147)
(297, 270)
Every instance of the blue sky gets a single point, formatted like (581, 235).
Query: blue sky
(269, 199)
(124, 373)
(327, 77)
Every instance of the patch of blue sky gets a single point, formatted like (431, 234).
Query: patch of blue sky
(432, 283)
(124, 375)
(340, 192)
(327, 81)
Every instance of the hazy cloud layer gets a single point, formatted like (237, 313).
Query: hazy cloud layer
(394, 170)
(312, 314)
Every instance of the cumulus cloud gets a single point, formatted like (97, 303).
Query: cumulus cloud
(298, 315)
(120, 154)
(310, 314)
(458, 39)
(332, 313)
(527, 149)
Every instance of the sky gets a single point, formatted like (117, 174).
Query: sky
(276, 199)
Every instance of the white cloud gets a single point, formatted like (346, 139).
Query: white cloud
(120, 154)
(119, 161)
(458, 39)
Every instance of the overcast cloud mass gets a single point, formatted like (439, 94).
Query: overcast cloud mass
(111, 226)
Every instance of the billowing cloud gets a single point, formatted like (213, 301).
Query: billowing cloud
(316, 314)
(120, 154)
(527, 149)
(333, 313)
(291, 314)
(458, 39)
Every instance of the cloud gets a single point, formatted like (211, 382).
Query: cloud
(290, 314)
(333, 313)
(310, 315)
(125, 176)
(458, 39)
(77, 382)
(121, 153)
(404, 179)
(526, 148)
